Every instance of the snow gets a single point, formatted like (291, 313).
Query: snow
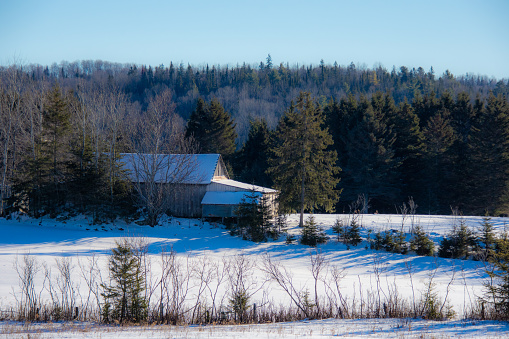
(79, 240)
(243, 186)
(166, 166)
(329, 328)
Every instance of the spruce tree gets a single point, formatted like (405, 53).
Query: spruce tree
(458, 244)
(44, 181)
(311, 233)
(408, 148)
(438, 139)
(253, 218)
(302, 167)
(353, 236)
(123, 296)
(251, 162)
(487, 240)
(420, 243)
(489, 147)
(498, 288)
(370, 168)
(460, 165)
(213, 128)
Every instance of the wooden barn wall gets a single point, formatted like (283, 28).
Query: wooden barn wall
(220, 170)
(185, 200)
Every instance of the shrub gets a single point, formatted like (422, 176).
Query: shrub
(390, 241)
(458, 244)
(311, 233)
(421, 244)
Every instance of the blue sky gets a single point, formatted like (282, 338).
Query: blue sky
(460, 35)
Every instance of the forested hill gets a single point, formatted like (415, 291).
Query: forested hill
(395, 134)
(262, 91)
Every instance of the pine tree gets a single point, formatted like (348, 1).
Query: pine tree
(311, 233)
(252, 217)
(487, 240)
(439, 137)
(489, 147)
(408, 148)
(43, 183)
(301, 165)
(123, 297)
(251, 162)
(458, 244)
(213, 128)
(370, 168)
(353, 236)
(339, 229)
(498, 292)
(420, 243)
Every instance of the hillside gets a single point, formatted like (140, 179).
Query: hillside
(366, 272)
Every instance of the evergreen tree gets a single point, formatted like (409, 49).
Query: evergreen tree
(339, 229)
(462, 115)
(458, 244)
(253, 218)
(301, 166)
(251, 162)
(489, 147)
(87, 184)
(420, 243)
(353, 236)
(123, 297)
(408, 147)
(370, 168)
(438, 137)
(311, 233)
(498, 292)
(487, 240)
(43, 183)
(213, 128)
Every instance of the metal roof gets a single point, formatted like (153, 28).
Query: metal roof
(170, 168)
(244, 186)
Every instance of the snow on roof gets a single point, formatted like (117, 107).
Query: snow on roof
(241, 185)
(226, 198)
(170, 168)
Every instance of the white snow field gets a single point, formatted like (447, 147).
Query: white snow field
(367, 274)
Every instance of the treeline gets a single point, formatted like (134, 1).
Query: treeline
(397, 134)
(260, 91)
(444, 153)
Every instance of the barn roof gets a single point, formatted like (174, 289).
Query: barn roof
(171, 168)
(243, 186)
(227, 198)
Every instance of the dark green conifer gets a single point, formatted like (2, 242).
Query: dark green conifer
(420, 243)
(213, 128)
(251, 162)
(302, 167)
(489, 147)
(370, 168)
(311, 233)
(123, 296)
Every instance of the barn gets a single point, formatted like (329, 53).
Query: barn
(199, 184)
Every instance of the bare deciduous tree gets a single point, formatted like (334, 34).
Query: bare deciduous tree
(163, 157)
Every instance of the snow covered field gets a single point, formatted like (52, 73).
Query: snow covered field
(365, 271)
(329, 328)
